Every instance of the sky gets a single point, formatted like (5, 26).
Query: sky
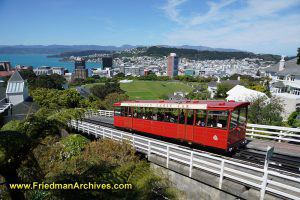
(260, 26)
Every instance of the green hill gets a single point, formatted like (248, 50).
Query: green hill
(152, 90)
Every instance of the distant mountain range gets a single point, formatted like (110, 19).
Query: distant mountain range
(56, 49)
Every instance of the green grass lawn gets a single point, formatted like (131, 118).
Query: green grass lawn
(150, 90)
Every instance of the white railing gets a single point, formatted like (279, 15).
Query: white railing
(4, 105)
(103, 113)
(277, 133)
(256, 177)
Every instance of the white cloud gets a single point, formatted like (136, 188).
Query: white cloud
(172, 11)
(259, 26)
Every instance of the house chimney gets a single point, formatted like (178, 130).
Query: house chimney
(281, 63)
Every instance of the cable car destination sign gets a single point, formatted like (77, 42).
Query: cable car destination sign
(166, 105)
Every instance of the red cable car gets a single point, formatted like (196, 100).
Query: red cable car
(217, 124)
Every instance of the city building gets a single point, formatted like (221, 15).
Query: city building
(22, 67)
(79, 63)
(58, 70)
(5, 66)
(189, 72)
(17, 89)
(80, 71)
(5, 69)
(107, 72)
(172, 65)
(45, 70)
(107, 62)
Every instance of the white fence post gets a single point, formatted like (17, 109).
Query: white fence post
(252, 132)
(149, 148)
(221, 174)
(191, 163)
(264, 184)
(280, 136)
(168, 154)
(133, 141)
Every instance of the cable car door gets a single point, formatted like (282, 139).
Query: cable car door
(189, 125)
(181, 125)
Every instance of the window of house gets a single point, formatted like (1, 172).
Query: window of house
(293, 78)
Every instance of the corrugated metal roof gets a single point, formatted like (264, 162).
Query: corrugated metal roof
(15, 87)
(16, 77)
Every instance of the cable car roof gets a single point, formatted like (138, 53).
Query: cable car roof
(188, 104)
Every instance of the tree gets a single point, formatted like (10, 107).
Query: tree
(105, 161)
(222, 89)
(101, 91)
(294, 119)
(56, 99)
(204, 95)
(46, 81)
(58, 80)
(28, 75)
(298, 55)
(112, 98)
(265, 111)
(14, 146)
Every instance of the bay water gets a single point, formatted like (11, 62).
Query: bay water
(38, 60)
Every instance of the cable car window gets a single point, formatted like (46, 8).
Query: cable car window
(243, 115)
(159, 115)
(126, 111)
(181, 116)
(201, 118)
(136, 112)
(170, 115)
(118, 111)
(217, 119)
(190, 117)
(234, 119)
(123, 111)
(130, 111)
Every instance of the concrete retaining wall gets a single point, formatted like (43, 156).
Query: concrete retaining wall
(204, 185)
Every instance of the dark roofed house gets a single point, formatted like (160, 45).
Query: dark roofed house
(286, 83)
(179, 96)
(286, 72)
(212, 86)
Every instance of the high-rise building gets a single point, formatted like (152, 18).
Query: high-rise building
(172, 65)
(79, 63)
(80, 71)
(107, 62)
